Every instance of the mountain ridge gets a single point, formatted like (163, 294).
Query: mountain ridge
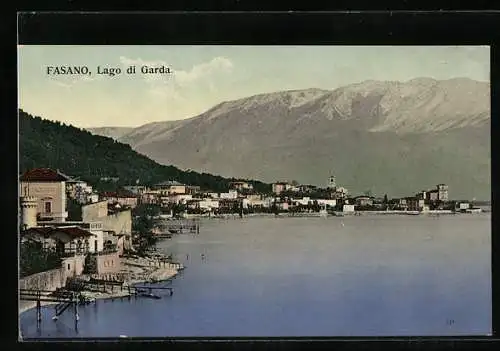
(277, 135)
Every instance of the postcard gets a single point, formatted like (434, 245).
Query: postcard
(254, 191)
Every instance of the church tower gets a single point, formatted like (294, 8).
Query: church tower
(332, 183)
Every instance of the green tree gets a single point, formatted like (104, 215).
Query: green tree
(34, 259)
(77, 152)
(74, 210)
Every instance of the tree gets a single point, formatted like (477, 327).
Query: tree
(386, 201)
(77, 152)
(34, 259)
(74, 210)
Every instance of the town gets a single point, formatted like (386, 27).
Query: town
(71, 234)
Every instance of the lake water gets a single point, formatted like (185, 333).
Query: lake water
(350, 276)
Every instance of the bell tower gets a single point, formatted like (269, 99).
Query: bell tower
(332, 182)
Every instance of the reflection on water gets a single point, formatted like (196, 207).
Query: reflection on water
(351, 276)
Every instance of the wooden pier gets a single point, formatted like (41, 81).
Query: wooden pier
(179, 226)
(65, 299)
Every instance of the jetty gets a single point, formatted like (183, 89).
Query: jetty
(178, 226)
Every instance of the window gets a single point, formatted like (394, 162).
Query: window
(69, 267)
(48, 207)
(95, 245)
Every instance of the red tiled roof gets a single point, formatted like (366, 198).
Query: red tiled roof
(73, 232)
(121, 194)
(42, 231)
(42, 175)
(109, 194)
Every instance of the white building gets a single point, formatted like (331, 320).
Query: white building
(463, 206)
(327, 202)
(208, 204)
(304, 201)
(180, 198)
(231, 194)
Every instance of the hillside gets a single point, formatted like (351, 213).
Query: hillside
(77, 152)
(387, 137)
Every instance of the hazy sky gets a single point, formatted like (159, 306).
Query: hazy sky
(203, 76)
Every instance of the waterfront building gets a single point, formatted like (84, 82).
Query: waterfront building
(170, 187)
(178, 198)
(124, 198)
(348, 208)
(422, 195)
(327, 202)
(241, 185)
(231, 194)
(48, 188)
(463, 206)
(208, 204)
(150, 197)
(280, 187)
(306, 200)
(433, 195)
(364, 200)
(117, 220)
(415, 204)
(65, 240)
(442, 190)
(400, 204)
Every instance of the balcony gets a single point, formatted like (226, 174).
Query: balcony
(53, 214)
(71, 252)
(105, 252)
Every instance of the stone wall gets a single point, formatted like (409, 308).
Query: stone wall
(73, 266)
(48, 280)
(95, 211)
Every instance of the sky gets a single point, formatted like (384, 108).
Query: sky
(203, 76)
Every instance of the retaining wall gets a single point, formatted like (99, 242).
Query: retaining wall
(48, 280)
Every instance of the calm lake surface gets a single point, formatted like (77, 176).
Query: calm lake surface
(350, 276)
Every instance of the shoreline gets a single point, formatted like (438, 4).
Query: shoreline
(141, 266)
(337, 214)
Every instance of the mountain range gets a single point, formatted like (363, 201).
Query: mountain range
(385, 137)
